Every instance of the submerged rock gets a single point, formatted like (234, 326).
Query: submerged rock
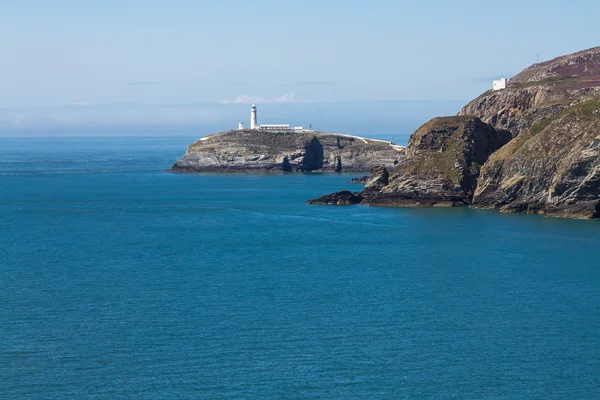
(362, 180)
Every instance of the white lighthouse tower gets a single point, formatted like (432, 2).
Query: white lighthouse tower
(253, 124)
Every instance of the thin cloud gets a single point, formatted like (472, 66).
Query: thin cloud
(80, 103)
(287, 98)
(245, 99)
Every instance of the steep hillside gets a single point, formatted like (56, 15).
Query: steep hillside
(550, 116)
(552, 110)
(552, 168)
(442, 163)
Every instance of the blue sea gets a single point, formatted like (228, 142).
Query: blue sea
(121, 281)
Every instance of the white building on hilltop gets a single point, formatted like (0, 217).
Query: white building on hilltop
(500, 84)
(268, 127)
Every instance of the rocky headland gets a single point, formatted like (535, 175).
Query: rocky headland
(552, 166)
(442, 164)
(533, 147)
(306, 151)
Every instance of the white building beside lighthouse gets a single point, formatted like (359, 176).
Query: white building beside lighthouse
(268, 127)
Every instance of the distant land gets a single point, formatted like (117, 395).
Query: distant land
(393, 120)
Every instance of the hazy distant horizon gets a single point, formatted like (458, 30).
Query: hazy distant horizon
(360, 118)
(366, 68)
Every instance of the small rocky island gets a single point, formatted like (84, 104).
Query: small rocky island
(258, 150)
(531, 147)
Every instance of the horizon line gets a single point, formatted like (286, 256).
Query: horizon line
(90, 105)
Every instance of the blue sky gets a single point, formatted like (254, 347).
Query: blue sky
(180, 52)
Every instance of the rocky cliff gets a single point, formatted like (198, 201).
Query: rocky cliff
(552, 166)
(550, 116)
(260, 151)
(440, 169)
(442, 163)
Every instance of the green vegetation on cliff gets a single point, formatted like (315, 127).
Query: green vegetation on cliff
(550, 116)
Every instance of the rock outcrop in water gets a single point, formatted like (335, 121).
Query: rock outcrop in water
(362, 180)
(373, 184)
(343, 198)
(550, 116)
(261, 151)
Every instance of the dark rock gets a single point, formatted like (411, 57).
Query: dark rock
(378, 180)
(285, 165)
(344, 197)
(313, 155)
(362, 179)
(338, 164)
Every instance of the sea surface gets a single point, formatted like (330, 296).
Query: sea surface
(121, 281)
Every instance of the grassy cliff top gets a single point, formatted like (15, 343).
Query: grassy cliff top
(582, 66)
(441, 123)
(261, 140)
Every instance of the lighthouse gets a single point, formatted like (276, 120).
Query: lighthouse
(269, 127)
(253, 124)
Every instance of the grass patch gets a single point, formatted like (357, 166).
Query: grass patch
(586, 111)
(541, 125)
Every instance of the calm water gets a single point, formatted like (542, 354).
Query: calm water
(119, 281)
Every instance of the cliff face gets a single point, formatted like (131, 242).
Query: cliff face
(551, 166)
(251, 150)
(442, 163)
(550, 117)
